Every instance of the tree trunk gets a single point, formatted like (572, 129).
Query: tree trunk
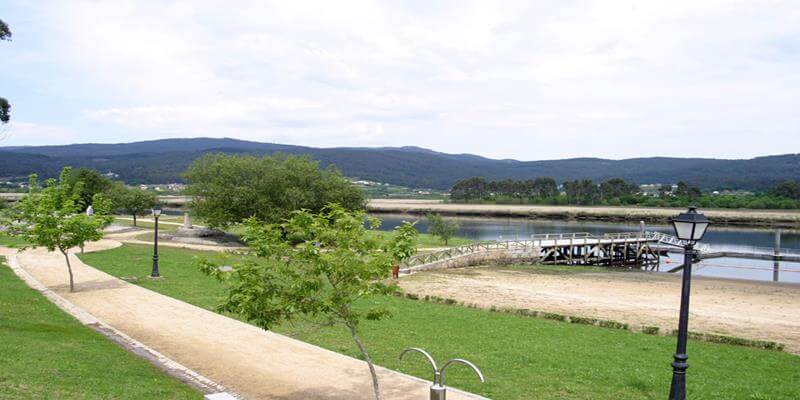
(134, 219)
(69, 268)
(372, 372)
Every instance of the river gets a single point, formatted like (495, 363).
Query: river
(718, 237)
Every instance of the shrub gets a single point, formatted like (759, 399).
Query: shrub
(613, 324)
(583, 320)
(650, 330)
(553, 316)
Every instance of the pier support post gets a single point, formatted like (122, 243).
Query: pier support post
(777, 243)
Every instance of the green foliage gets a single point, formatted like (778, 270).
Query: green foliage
(52, 217)
(444, 229)
(617, 192)
(232, 188)
(583, 361)
(5, 110)
(787, 190)
(5, 32)
(314, 265)
(651, 330)
(583, 320)
(5, 107)
(133, 201)
(92, 183)
(612, 324)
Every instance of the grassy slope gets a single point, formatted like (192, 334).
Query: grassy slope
(523, 358)
(46, 354)
(6, 240)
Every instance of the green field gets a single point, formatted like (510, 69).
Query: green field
(140, 223)
(10, 241)
(46, 354)
(523, 358)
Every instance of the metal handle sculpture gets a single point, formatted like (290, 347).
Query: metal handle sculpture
(438, 390)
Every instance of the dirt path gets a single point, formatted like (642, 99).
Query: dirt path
(754, 310)
(253, 362)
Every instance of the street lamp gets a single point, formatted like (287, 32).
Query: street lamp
(689, 228)
(156, 214)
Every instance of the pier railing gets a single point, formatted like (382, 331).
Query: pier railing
(537, 240)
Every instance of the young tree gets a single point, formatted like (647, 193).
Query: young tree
(132, 201)
(230, 188)
(5, 107)
(52, 217)
(315, 265)
(444, 229)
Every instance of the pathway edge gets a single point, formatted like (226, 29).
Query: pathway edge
(162, 362)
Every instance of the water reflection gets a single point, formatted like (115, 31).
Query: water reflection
(717, 237)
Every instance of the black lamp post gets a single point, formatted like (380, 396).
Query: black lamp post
(156, 214)
(690, 228)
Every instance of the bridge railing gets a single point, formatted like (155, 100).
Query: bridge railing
(547, 239)
(753, 250)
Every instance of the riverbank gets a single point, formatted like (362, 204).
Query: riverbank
(734, 217)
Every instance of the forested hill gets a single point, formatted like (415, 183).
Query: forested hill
(162, 161)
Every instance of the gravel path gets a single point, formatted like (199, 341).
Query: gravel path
(250, 361)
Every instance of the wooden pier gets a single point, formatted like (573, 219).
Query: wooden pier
(586, 249)
(620, 249)
(642, 249)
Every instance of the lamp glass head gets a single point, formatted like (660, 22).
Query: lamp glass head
(690, 226)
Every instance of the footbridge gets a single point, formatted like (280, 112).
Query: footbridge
(580, 248)
(641, 249)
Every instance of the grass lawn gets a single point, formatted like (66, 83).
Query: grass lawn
(9, 241)
(140, 223)
(523, 358)
(46, 354)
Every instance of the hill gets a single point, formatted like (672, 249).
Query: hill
(161, 161)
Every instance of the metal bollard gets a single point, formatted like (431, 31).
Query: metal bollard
(439, 390)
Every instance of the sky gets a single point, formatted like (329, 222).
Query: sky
(528, 80)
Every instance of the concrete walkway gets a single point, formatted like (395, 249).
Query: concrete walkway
(250, 361)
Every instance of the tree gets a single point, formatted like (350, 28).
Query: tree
(132, 201)
(468, 189)
(5, 107)
(788, 190)
(231, 188)
(616, 188)
(5, 32)
(5, 111)
(682, 189)
(545, 187)
(51, 217)
(694, 193)
(444, 229)
(92, 183)
(664, 190)
(335, 263)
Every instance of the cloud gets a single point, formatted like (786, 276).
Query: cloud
(541, 79)
(29, 133)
